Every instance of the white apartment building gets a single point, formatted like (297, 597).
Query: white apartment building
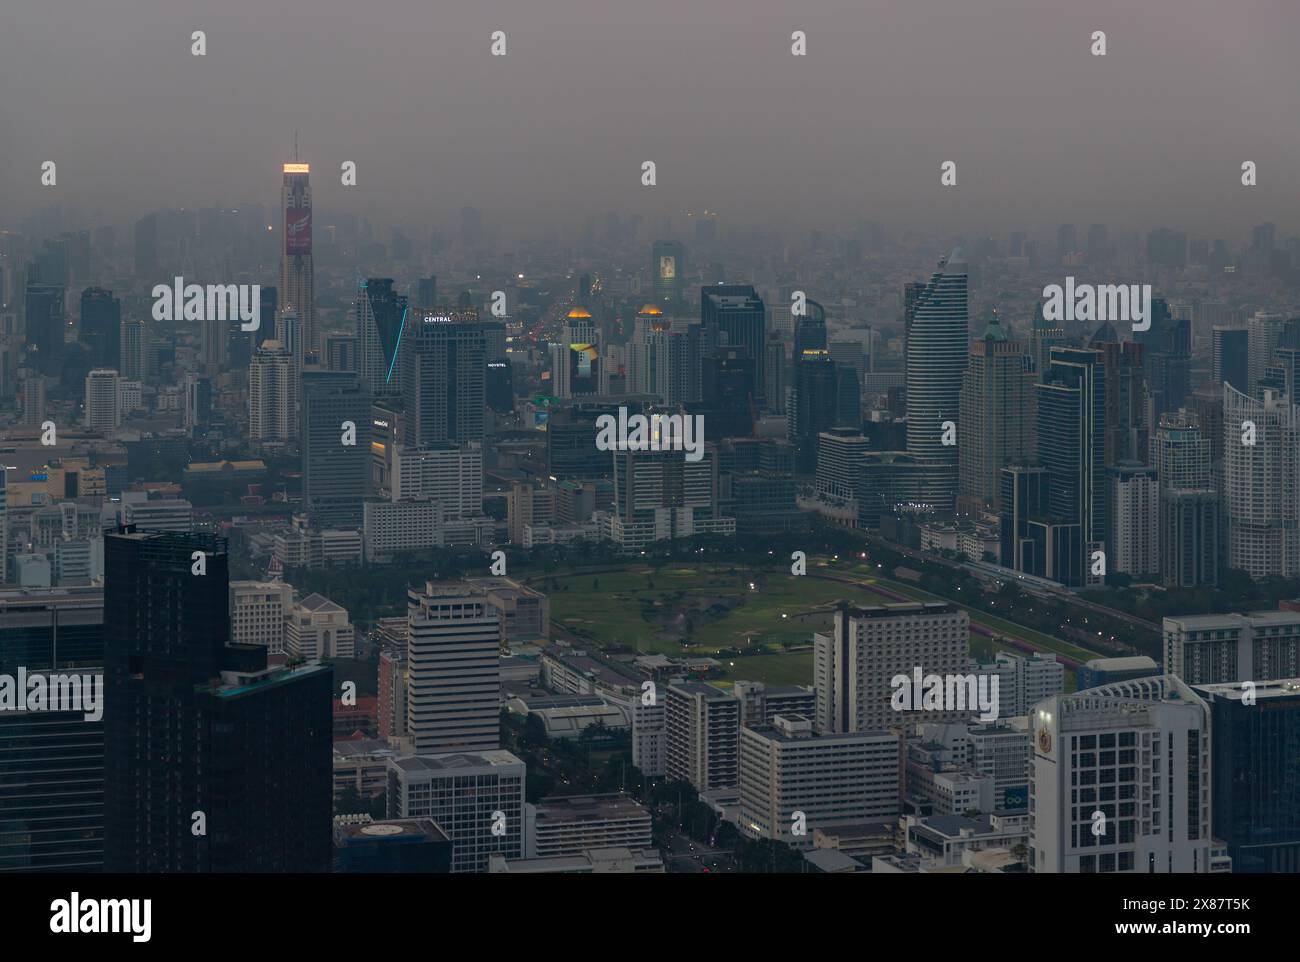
(103, 407)
(787, 769)
(853, 666)
(649, 738)
(703, 725)
(1134, 520)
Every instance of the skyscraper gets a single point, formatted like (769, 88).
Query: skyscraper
(101, 326)
(1189, 502)
(381, 315)
(997, 415)
(734, 314)
(1255, 795)
(1231, 353)
(667, 272)
(444, 379)
(297, 280)
(272, 397)
(334, 473)
(213, 761)
(1261, 483)
(103, 410)
(936, 360)
(1071, 445)
(454, 679)
(44, 321)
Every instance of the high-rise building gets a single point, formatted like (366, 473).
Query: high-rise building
(1232, 648)
(103, 410)
(198, 402)
(831, 779)
(728, 384)
(996, 422)
(134, 350)
(33, 387)
(1134, 518)
(100, 328)
(1189, 502)
(454, 677)
(1025, 499)
(44, 323)
(272, 397)
(297, 280)
(1138, 753)
(213, 761)
(1255, 785)
(936, 359)
(813, 407)
(1261, 483)
(1127, 436)
(853, 666)
(1231, 353)
(52, 769)
(703, 732)
(734, 314)
(1071, 445)
(335, 447)
(1024, 680)
(1043, 336)
(1264, 332)
(444, 375)
(381, 315)
(668, 274)
(810, 328)
(660, 495)
(451, 474)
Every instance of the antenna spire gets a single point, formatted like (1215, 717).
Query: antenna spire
(295, 146)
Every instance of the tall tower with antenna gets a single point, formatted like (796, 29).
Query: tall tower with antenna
(297, 282)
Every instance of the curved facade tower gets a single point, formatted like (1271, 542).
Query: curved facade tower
(936, 359)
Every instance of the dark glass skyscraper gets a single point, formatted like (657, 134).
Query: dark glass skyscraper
(444, 380)
(334, 474)
(44, 322)
(1071, 442)
(101, 326)
(1255, 781)
(213, 761)
(736, 311)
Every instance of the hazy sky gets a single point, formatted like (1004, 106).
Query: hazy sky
(1041, 131)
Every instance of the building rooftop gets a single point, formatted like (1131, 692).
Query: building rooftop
(589, 808)
(455, 760)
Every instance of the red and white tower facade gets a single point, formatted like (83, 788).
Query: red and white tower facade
(296, 276)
